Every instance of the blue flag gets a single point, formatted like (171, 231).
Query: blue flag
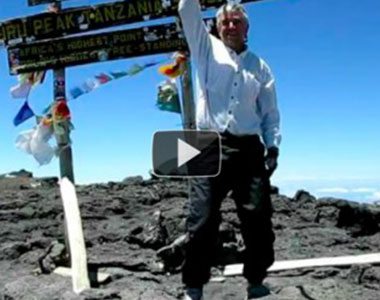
(24, 114)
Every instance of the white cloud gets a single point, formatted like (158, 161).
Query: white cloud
(363, 190)
(357, 190)
(327, 178)
(337, 190)
(295, 178)
(376, 195)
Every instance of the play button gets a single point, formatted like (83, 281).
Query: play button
(186, 153)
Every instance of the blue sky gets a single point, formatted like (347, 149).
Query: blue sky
(325, 56)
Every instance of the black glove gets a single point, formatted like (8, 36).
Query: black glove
(271, 160)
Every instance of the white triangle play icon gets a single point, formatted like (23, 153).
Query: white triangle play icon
(185, 152)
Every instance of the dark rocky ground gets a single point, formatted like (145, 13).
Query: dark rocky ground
(128, 223)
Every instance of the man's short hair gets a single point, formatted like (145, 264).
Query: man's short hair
(231, 7)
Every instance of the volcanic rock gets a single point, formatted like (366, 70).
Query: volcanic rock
(135, 231)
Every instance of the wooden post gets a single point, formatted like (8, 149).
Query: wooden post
(188, 109)
(63, 140)
(79, 272)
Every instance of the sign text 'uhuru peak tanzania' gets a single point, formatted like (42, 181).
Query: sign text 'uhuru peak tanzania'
(82, 19)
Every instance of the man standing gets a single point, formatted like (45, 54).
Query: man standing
(236, 97)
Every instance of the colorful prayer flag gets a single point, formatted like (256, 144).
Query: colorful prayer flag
(61, 111)
(24, 114)
(21, 90)
(93, 83)
(26, 82)
(103, 78)
(168, 98)
(119, 74)
(176, 68)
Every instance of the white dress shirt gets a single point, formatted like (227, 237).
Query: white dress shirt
(235, 92)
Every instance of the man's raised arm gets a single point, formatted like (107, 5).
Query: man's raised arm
(195, 30)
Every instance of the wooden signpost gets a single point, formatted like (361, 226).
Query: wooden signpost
(113, 45)
(66, 165)
(188, 105)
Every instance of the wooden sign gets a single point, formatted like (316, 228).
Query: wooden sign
(104, 46)
(38, 2)
(82, 19)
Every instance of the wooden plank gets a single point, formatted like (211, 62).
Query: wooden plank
(78, 255)
(38, 2)
(83, 19)
(188, 106)
(373, 258)
(95, 48)
(66, 272)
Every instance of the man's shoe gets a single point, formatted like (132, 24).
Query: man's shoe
(193, 294)
(255, 291)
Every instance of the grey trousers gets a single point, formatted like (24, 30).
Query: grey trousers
(243, 172)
